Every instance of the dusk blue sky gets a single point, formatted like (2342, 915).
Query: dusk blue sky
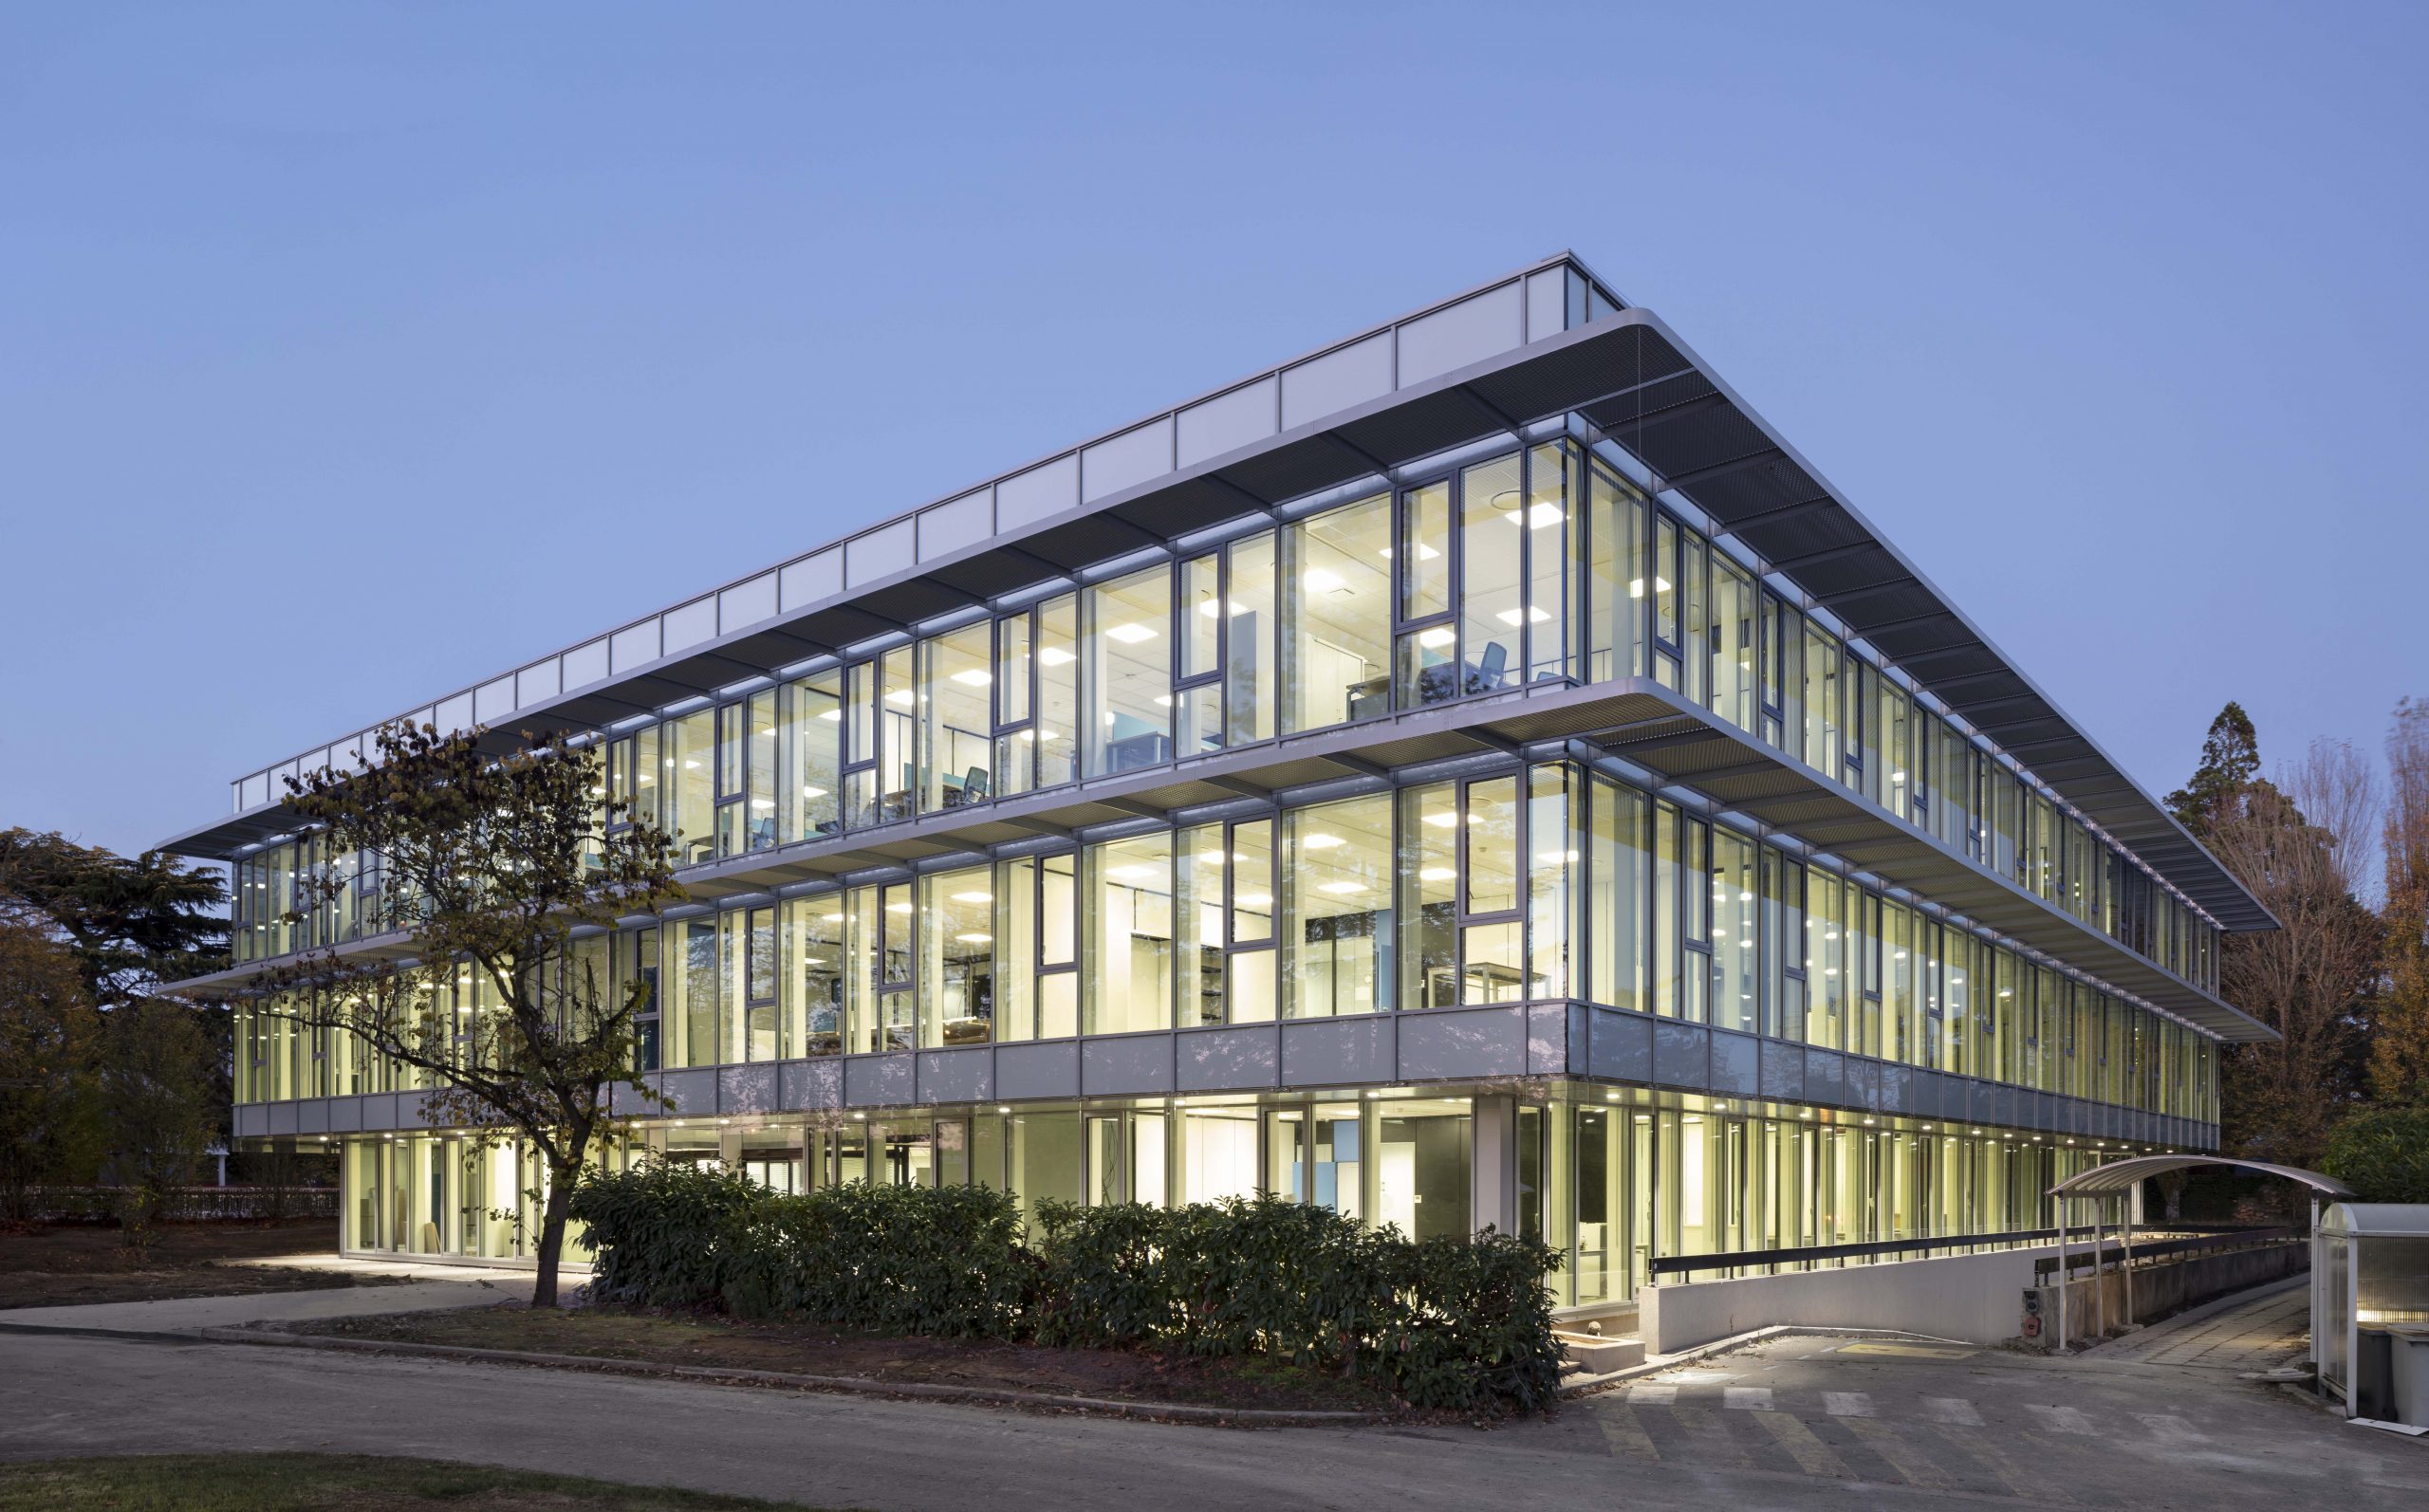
(351, 354)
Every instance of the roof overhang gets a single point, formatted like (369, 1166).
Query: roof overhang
(1634, 721)
(1629, 375)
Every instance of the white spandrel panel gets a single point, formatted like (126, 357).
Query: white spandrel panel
(586, 663)
(1333, 382)
(1050, 487)
(1470, 331)
(1229, 421)
(747, 603)
(1132, 457)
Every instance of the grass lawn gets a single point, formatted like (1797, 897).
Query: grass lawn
(52, 1264)
(714, 1340)
(311, 1483)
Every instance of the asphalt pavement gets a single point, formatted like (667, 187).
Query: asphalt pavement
(1810, 1423)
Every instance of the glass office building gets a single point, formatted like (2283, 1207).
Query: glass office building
(1476, 773)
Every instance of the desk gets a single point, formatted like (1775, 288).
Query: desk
(1151, 750)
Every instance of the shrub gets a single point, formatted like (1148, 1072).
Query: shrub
(1479, 1330)
(899, 1260)
(1441, 1322)
(2382, 1154)
(659, 1230)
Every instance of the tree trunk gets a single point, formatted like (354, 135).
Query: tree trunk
(553, 1235)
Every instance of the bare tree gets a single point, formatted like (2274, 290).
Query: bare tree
(2399, 1037)
(2300, 845)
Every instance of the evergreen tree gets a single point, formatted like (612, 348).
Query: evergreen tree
(130, 924)
(2230, 761)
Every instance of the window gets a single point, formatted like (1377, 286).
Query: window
(1733, 640)
(958, 957)
(1250, 684)
(1056, 733)
(1493, 965)
(955, 704)
(1550, 879)
(1015, 738)
(746, 774)
(1250, 988)
(1615, 586)
(1337, 914)
(1130, 672)
(1736, 958)
(886, 923)
(1131, 941)
(1338, 656)
(1616, 898)
(1197, 634)
(1429, 872)
(1550, 521)
(814, 772)
(748, 944)
(813, 1005)
(690, 790)
(1493, 593)
(1427, 662)
(1036, 974)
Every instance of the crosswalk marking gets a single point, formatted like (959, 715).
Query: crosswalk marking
(1813, 1456)
(1847, 1404)
(1651, 1394)
(1951, 1409)
(1713, 1443)
(1747, 1398)
(1984, 1448)
(2172, 1429)
(2061, 1419)
(1625, 1434)
(1913, 1465)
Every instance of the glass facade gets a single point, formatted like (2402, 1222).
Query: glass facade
(1544, 564)
(1004, 897)
(1612, 1177)
(1533, 884)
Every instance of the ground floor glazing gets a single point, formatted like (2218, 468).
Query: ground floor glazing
(1610, 1177)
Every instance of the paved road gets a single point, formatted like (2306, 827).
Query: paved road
(1816, 1424)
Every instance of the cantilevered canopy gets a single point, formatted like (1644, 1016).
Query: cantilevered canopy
(2120, 1176)
(1631, 376)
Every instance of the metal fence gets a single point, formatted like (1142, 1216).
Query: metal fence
(185, 1204)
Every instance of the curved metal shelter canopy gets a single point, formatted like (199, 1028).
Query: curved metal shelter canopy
(2118, 1179)
(2120, 1176)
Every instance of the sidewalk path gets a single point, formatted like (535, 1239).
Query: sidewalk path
(2257, 1329)
(434, 1286)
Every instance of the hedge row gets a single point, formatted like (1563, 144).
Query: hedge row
(1442, 1322)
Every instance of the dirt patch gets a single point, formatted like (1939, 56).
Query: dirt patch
(55, 1265)
(710, 1340)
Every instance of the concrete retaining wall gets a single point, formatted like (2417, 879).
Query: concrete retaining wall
(1980, 1299)
(1975, 1298)
(2162, 1288)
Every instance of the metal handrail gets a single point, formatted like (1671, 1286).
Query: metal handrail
(1683, 1265)
(2154, 1249)
(1734, 1259)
